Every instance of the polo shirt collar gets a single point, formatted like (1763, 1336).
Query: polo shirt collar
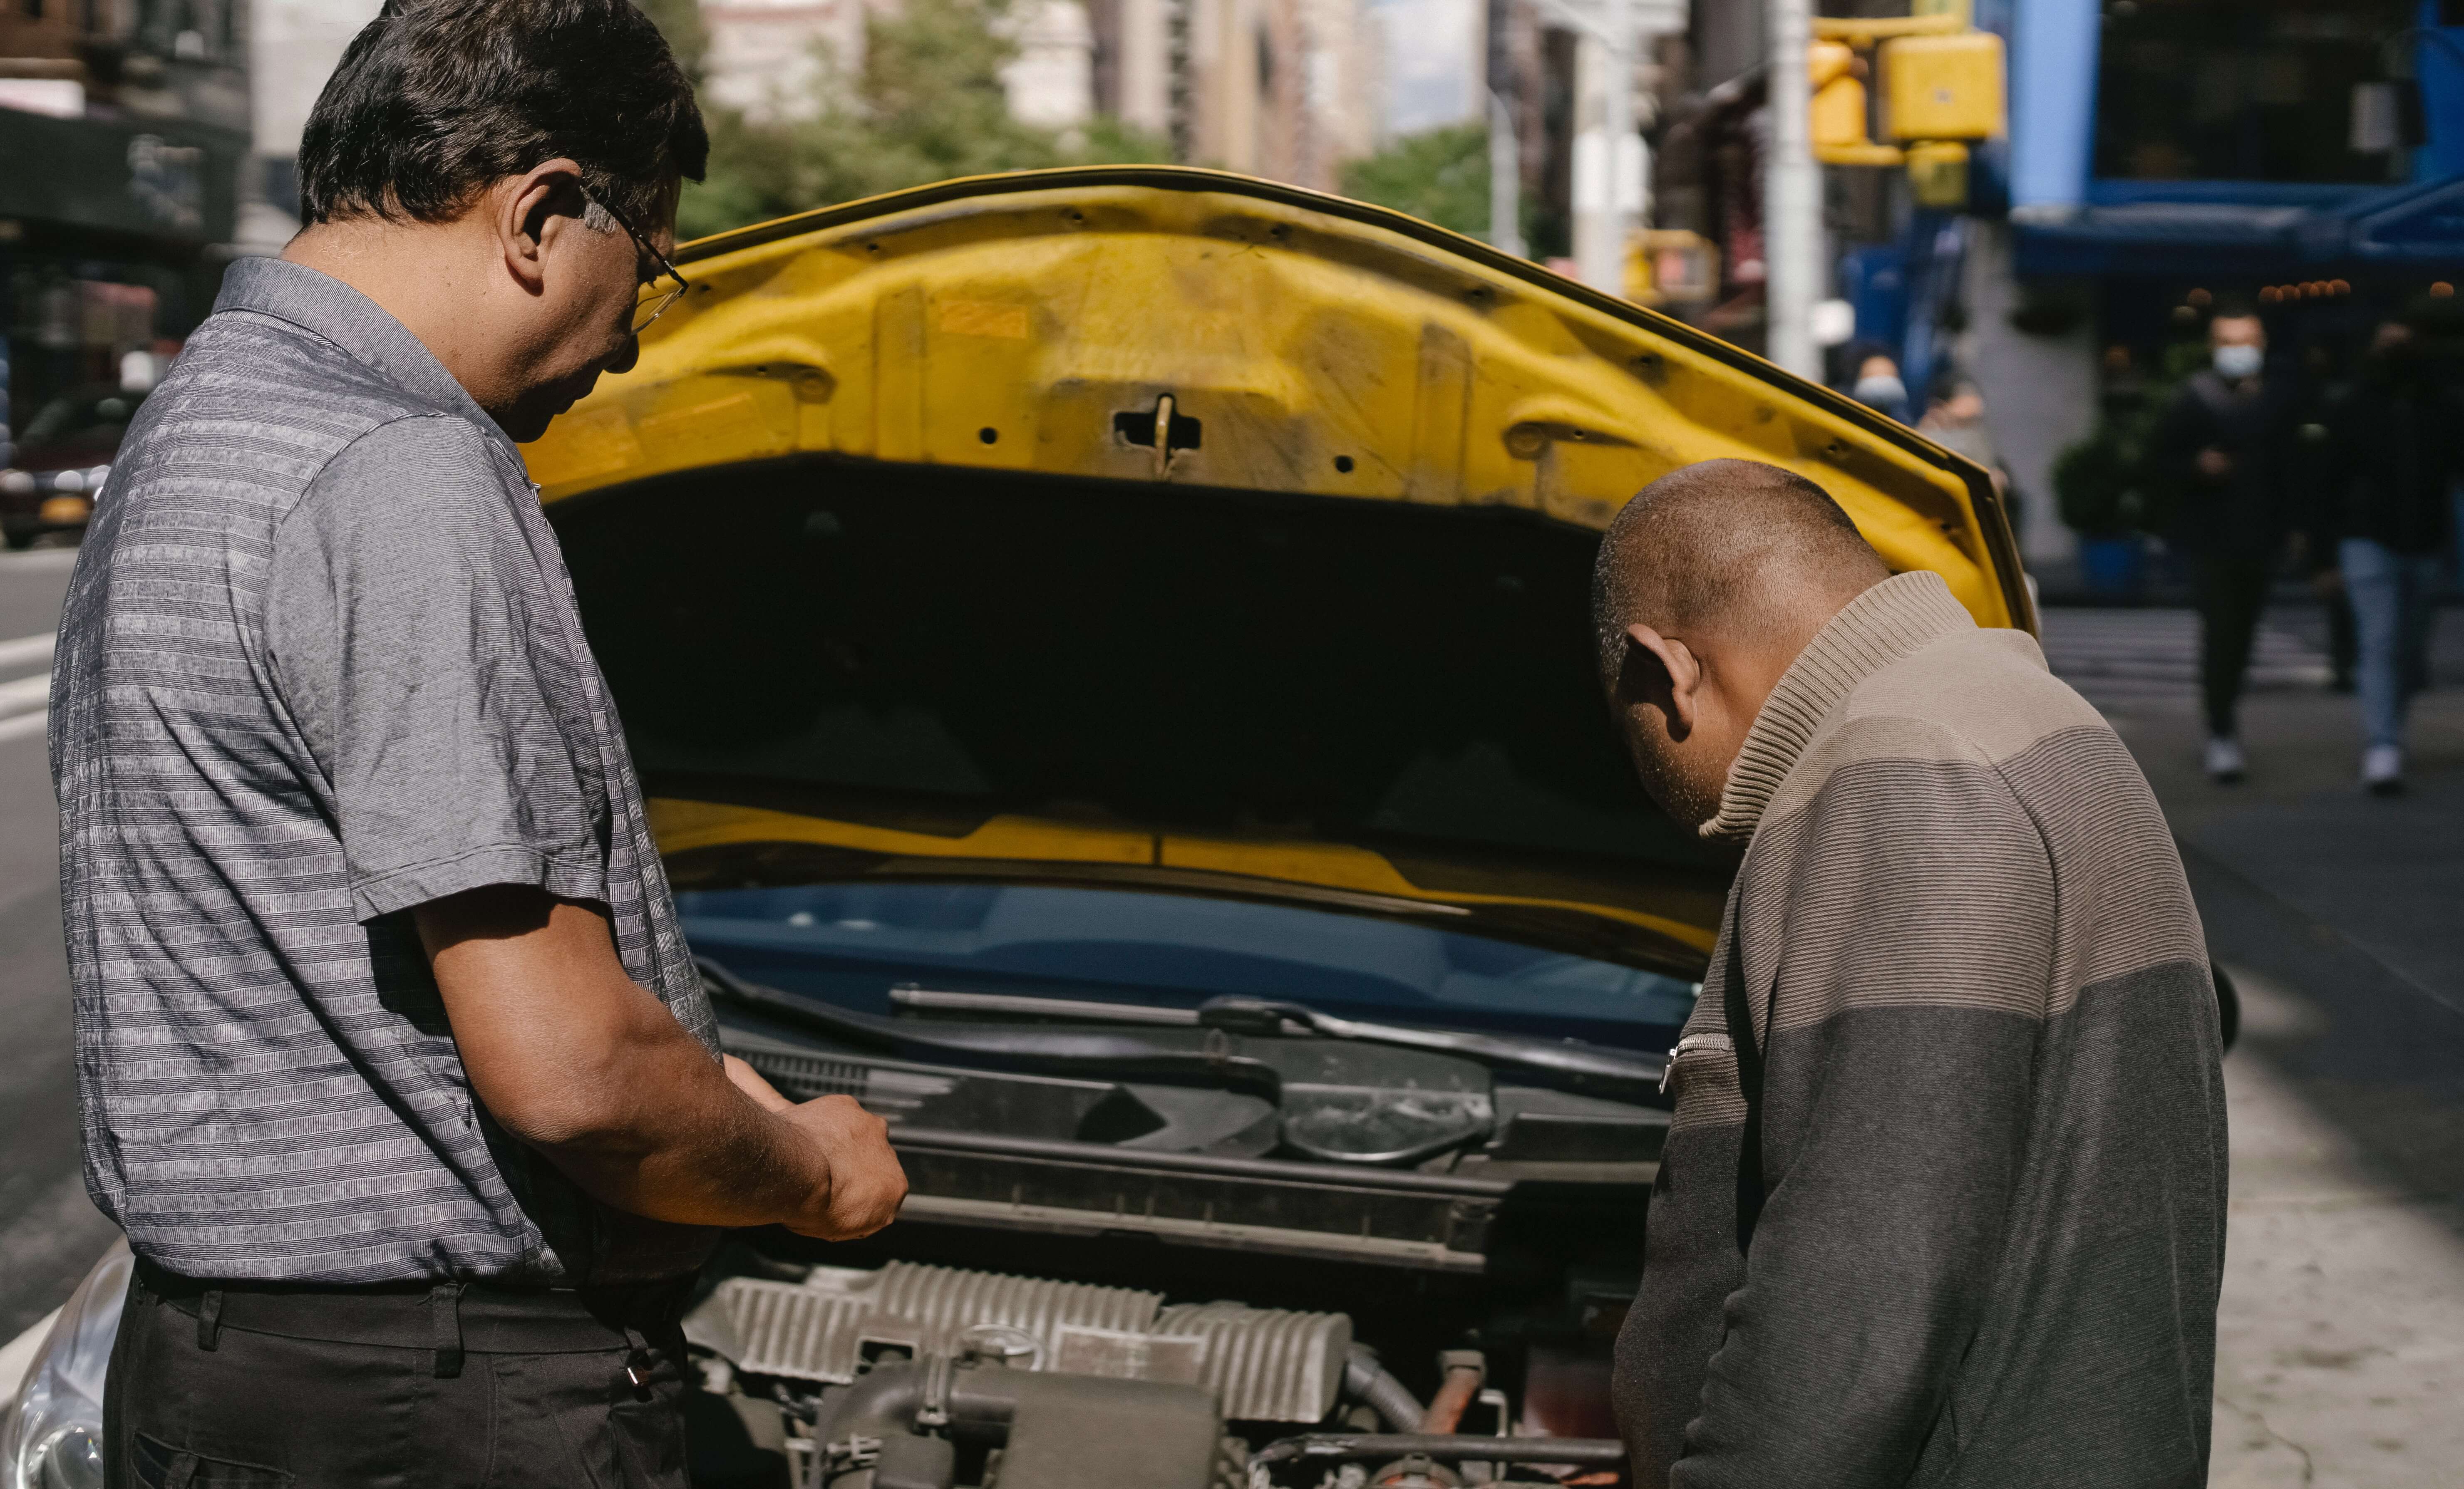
(324, 306)
(1895, 618)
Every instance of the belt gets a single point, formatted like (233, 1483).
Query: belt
(452, 1319)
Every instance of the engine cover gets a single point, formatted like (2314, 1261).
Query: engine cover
(1262, 1364)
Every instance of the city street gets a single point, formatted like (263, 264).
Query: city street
(50, 1232)
(2343, 1345)
(997, 476)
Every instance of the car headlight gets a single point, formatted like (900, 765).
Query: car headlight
(51, 1437)
(17, 483)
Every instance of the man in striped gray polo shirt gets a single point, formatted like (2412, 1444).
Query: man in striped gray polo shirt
(1944, 1201)
(392, 1059)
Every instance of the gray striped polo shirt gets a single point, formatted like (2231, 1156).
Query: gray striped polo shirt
(320, 663)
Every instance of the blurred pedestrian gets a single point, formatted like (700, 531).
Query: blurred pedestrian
(1879, 386)
(2396, 445)
(1944, 1198)
(2223, 453)
(1956, 422)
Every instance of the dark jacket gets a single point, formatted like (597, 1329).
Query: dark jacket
(1944, 1201)
(2395, 447)
(2245, 514)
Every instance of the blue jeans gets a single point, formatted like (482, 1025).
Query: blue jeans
(2390, 593)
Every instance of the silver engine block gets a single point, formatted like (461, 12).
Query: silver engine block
(1262, 1363)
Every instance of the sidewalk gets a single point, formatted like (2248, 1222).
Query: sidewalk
(2341, 1355)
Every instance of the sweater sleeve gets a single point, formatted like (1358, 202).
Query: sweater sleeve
(1897, 1051)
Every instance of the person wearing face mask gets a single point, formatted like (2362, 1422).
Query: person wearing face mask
(2222, 450)
(1879, 388)
(2395, 447)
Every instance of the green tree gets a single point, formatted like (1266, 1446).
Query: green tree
(680, 22)
(927, 105)
(1439, 175)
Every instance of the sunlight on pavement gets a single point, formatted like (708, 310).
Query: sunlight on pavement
(2341, 1341)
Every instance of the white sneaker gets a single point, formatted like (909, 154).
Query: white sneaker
(2383, 771)
(2225, 762)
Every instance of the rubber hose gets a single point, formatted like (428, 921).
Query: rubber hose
(1370, 1383)
(885, 1400)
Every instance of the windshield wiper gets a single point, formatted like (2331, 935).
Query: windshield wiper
(1267, 1017)
(1207, 1054)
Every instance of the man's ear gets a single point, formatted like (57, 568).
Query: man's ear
(530, 211)
(1665, 673)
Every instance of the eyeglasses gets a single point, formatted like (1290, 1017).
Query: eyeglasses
(667, 270)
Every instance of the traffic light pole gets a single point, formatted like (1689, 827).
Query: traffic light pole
(1792, 198)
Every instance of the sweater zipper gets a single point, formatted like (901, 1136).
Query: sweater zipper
(1688, 1045)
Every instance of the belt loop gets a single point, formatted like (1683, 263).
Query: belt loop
(209, 1318)
(444, 1315)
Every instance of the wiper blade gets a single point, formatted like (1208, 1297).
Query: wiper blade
(1202, 1053)
(1569, 1057)
(1562, 1057)
(1027, 1005)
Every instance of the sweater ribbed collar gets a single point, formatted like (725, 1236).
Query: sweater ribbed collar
(1877, 628)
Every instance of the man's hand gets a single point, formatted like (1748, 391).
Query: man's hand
(866, 1184)
(2214, 464)
(865, 1181)
(576, 1061)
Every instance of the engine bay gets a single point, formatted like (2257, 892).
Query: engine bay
(1183, 1258)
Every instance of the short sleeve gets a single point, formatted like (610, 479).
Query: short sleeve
(414, 636)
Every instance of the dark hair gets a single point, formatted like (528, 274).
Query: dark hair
(1729, 544)
(434, 99)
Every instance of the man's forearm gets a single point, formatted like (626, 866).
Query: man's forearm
(664, 1135)
(573, 1058)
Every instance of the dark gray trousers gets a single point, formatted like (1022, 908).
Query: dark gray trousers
(220, 1388)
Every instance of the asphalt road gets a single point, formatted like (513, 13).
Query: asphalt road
(50, 1233)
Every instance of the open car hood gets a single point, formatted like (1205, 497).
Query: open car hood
(1136, 341)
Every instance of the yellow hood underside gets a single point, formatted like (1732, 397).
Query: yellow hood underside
(1039, 323)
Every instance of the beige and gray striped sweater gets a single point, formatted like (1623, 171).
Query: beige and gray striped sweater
(1944, 1201)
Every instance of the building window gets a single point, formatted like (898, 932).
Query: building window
(2226, 90)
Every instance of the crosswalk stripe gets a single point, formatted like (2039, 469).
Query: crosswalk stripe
(25, 724)
(2125, 658)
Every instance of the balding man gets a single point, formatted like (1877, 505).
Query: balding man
(1944, 1200)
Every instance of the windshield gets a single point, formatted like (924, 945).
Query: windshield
(852, 943)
